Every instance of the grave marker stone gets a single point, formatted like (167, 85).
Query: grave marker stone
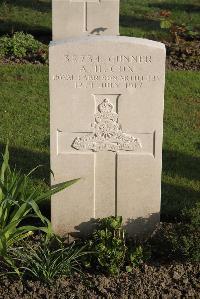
(107, 98)
(83, 17)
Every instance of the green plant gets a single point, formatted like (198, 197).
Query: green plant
(137, 256)
(178, 241)
(18, 203)
(172, 28)
(177, 30)
(48, 261)
(110, 253)
(185, 242)
(185, 237)
(22, 45)
(192, 215)
(5, 46)
(108, 246)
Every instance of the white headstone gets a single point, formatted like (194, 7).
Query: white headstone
(107, 98)
(83, 17)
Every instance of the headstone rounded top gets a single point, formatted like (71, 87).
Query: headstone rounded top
(110, 39)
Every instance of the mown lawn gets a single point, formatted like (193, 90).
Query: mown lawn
(24, 117)
(137, 18)
(24, 120)
(24, 104)
(141, 18)
(181, 150)
(33, 16)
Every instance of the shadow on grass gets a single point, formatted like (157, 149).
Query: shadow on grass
(25, 160)
(9, 27)
(139, 22)
(176, 6)
(39, 5)
(183, 165)
(174, 200)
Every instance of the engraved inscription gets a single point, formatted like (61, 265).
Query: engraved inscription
(108, 59)
(108, 134)
(117, 71)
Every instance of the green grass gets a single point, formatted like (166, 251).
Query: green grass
(141, 18)
(24, 116)
(24, 105)
(24, 119)
(181, 151)
(32, 16)
(137, 18)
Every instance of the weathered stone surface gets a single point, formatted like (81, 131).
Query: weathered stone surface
(83, 17)
(107, 99)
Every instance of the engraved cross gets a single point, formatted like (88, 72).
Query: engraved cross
(107, 141)
(85, 11)
(106, 144)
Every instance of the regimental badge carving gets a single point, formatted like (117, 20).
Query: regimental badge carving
(108, 134)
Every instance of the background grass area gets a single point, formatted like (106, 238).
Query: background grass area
(140, 18)
(24, 100)
(181, 150)
(32, 16)
(24, 119)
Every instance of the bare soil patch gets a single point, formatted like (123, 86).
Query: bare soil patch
(163, 276)
(154, 280)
